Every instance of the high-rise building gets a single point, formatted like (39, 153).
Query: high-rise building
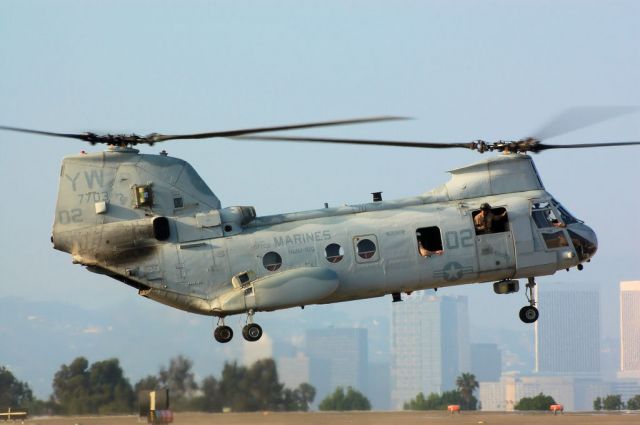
(379, 386)
(486, 362)
(567, 334)
(293, 371)
(338, 357)
(630, 329)
(430, 345)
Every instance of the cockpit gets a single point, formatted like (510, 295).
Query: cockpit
(557, 226)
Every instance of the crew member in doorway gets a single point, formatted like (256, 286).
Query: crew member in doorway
(484, 220)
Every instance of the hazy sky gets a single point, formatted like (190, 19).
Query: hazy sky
(463, 69)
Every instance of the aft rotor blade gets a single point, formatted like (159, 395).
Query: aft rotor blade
(580, 117)
(150, 139)
(396, 143)
(544, 146)
(235, 133)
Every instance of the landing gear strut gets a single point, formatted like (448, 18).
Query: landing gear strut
(222, 333)
(251, 331)
(529, 313)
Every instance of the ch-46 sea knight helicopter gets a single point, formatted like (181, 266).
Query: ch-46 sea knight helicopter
(151, 222)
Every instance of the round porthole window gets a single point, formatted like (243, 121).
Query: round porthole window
(366, 249)
(272, 261)
(334, 253)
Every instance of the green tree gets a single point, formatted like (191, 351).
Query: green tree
(298, 399)
(539, 402)
(211, 395)
(613, 402)
(13, 393)
(421, 403)
(264, 389)
(597, 403)
(234, 388)
(634, 402)
(435, 401)
(148, 383)
(71, 387)
(102, 388)
(111, 392)
(180, 381)
(467, 384)
(341, 401)
(240, 388)
(304, 394)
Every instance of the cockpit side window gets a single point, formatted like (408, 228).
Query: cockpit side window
(545, 216)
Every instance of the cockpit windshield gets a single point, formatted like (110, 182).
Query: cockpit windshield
(565, 215)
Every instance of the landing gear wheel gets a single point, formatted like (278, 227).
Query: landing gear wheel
(223, 334)
(252, 332)
(529, 314)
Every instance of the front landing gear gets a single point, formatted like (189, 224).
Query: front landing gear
(223, 333)
(529, 313)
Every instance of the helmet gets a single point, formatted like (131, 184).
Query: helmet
(485, 207)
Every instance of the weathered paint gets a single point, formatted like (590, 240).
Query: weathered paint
(207, 245)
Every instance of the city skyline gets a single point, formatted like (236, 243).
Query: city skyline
(296, 366)
(630, 328)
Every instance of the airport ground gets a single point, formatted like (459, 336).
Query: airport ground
(359, 418)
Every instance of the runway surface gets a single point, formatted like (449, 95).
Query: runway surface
(359, 418)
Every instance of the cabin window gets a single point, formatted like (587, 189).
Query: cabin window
(429, 241)
(143, 196)
(334, 253)
(555, 240)
(178, 202)
(366, 249)
(272, 261)
(493, 220)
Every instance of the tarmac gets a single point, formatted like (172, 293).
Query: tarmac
(359, 418)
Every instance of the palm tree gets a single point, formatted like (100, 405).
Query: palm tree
(467, 384)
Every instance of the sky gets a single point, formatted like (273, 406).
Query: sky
(463, 70)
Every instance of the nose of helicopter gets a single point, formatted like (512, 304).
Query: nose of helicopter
(584, 240)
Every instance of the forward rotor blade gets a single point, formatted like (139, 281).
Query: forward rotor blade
(580, 117)
(544, 146)
(396, 143)
(235, 133)
(81, 136)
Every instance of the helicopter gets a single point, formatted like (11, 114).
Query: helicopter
(151, 222)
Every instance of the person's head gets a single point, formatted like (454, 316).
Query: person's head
(485, 207)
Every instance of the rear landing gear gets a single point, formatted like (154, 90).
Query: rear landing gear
(222, 333)
(251, 331)
(529, 313)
